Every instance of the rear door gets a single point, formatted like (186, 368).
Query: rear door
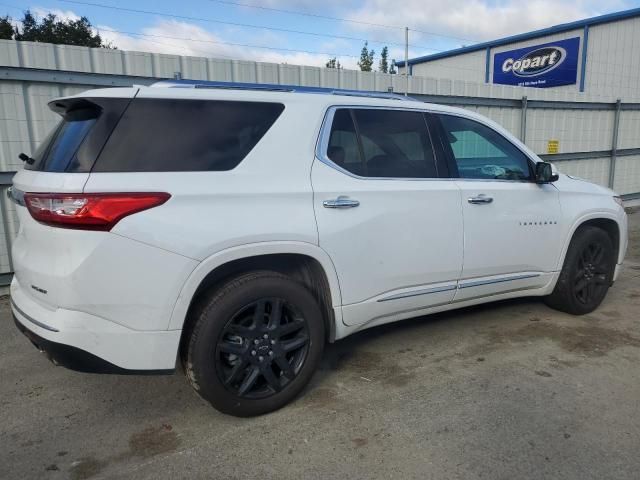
(391, 224)
(512, 226)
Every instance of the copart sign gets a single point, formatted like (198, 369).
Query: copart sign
(543, 66)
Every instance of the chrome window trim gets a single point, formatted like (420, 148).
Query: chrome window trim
(322, 145)
(493, 180)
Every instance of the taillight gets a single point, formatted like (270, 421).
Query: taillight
(89, 211)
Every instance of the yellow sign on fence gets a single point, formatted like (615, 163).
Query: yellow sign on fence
(553, 146)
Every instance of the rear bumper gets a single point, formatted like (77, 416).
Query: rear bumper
(88, 343)
(79, 360)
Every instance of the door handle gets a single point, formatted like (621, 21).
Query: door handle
(480, 199)
(341, 202)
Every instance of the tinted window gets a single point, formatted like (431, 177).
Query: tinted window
(185, 135)
(398, 144)
(57, 151)
(343, 144)
(481, 152)
(41, 151)
(393, 143)
(73, 145)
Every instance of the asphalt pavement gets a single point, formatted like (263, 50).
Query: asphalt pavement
(501, 391)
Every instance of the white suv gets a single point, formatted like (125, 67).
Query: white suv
(239, 229)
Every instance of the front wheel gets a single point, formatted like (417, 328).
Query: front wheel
(255, 344)
(586, 274)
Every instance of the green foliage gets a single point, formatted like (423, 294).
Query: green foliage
(366, 58)
(392, 68)
(6, 29)
(383, 66)
(65, 32)
(333, 63)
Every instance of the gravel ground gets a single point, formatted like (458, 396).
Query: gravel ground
(506, 390)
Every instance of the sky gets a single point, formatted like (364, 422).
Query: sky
(299, 32)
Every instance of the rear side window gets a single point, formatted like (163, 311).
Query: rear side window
(158, 135)
(382, 143)
(343, 143)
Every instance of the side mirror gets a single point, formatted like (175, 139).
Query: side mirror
(545, 173)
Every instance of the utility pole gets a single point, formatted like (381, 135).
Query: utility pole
(406, 60)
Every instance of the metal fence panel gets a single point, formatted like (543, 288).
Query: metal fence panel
(629, 135)
(627, 178)
(14, 125)
(595, 170)
(509, 118)
(575, 130)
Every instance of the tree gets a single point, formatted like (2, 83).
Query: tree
(66, 32)
(383, 66)
(334, 63)
(366, 58)
(392, 68)
(6, 29)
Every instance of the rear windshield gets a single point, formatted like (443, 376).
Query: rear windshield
(74, 144)
(163, 135)
(56, 152)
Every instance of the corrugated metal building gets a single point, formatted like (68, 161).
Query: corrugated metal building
(601, 58)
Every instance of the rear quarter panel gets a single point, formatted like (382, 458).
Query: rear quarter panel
(267, 197)
(99, 273)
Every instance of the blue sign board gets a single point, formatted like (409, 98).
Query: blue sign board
(542, 66)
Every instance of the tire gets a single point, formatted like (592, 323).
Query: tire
(255, 343)
(587, 273)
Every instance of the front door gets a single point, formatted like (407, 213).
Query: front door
(392, 228)
(512, 226)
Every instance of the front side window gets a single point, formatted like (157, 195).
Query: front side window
(382, 143)
(482, 153)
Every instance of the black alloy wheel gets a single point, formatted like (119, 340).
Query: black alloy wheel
(262, 348)
(254, 343)
(587, 272)
(591, 277)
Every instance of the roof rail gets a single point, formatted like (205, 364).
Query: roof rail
(276, 88)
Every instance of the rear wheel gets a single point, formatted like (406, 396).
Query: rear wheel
(586, 274)
(255, 344)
